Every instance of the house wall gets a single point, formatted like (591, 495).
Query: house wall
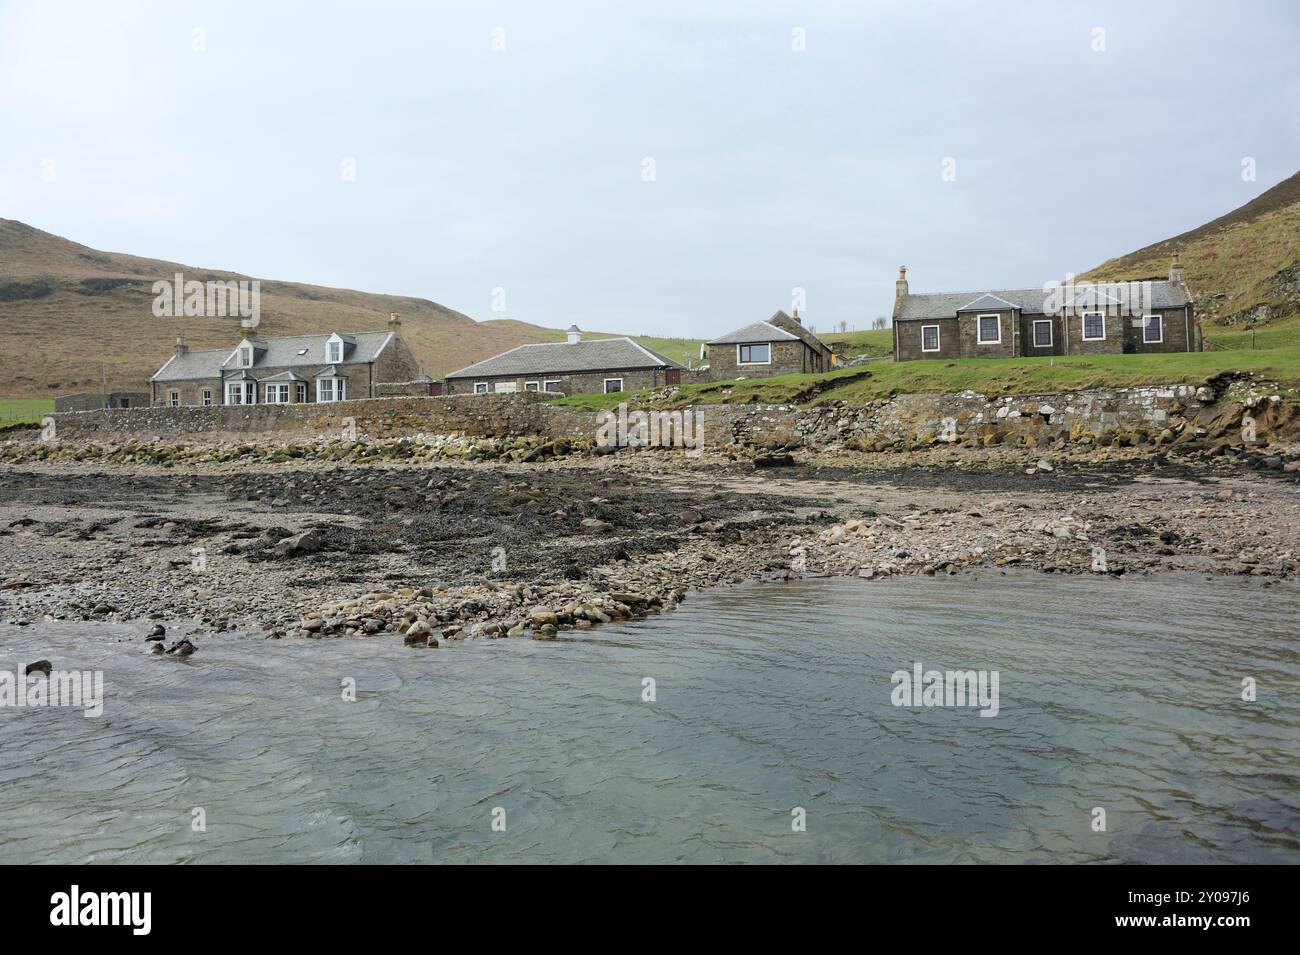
(1027, 347)
(1176, 323)
(816, 356)
(580, 383)
(968, 334)
(396, 362)
(1113, 344)
(96, 400)
(787, 357)
(908, 337)
(191, 392)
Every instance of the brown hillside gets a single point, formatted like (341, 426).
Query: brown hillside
(1243, 266)
(69, 315)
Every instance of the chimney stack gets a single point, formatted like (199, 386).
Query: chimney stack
(796, 317)
(574, 334)
(900, 287)
(182, 347)
(394, 322)
(245, 333)
(1176, 271)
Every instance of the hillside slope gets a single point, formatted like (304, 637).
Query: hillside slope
(1241, 267)
(71, 316)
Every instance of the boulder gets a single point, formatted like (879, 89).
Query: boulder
(40, 666)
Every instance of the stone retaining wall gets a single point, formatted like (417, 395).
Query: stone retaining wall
(905, 420)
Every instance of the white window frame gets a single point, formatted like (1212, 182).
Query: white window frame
(532, 386)
(335, 355)
(979, 329)
(207, 397)
(741, 361)
(481, 388)
(1160, 324)
(1083, 327)
(938, 338)
(274, 390)
(245, 356)
(616, 390)
(338, 389)
(300, 392)
(174, 399)
(247, 391)
(546, 386)
(1033, 332)
(505, 387)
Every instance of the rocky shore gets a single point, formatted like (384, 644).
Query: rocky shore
(433, 548)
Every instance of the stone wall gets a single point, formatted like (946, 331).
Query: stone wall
(1163, 413)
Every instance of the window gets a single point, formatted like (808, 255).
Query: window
(277, 394)
(207, 399)
(506, 387)
(480, 387)
(126, 403)
(331, 389)
(1043, 333)
(929, 338)
(530, 386)
(1094, 326)
(175, 399)
(246, 356)
(336, 352)
(551, 386)
(241, 392)
(1153, 329)
(613, 385)
(753, 354)
(301, 392)
(989, 331)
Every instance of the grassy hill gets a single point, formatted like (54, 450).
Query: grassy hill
(1241, 267)
(72, 316)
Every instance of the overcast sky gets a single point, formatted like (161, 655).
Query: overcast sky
(525, 168)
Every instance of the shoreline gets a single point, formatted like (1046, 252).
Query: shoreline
(453, 551)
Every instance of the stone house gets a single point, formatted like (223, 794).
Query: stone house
(779, 346)
(1148, 315)
(571, 367)
(292, 370)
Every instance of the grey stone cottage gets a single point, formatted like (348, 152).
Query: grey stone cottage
(571, 367)
(291, 370)
(1074, 319)
(779, 346)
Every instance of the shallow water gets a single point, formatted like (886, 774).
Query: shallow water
(1118, 694)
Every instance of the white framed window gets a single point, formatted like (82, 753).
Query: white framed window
(335, 352)
(613, 385)
(506, 387)
(1153, 329)
(207, 398)
(758, 353)
(929, 338)
(1094, 326)
(301, 390)
(331, 389)
(480, 387)
(988, 330)
(531, 386)
(277, 394)
(1042, 329)
(241, 392)
(552, 386)
(174, 399)
(245, 356)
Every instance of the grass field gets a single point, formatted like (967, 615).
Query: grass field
(875, 343)
(22, 410)
(989, 376)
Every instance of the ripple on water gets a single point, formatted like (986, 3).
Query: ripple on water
(1119, 694)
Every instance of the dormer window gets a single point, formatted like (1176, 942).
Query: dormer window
(334, 349)
(245, 356)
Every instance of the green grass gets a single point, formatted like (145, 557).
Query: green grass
(874, 343)
(24, 410)
(988, 376)
(1280, 333)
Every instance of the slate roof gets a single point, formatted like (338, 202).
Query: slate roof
(757, 332)
(1030, 301)
(556, 358)
(287, 352)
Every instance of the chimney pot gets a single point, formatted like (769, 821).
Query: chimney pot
(182, 347)
(1176, 271)
(394, 321)
(900, 287)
